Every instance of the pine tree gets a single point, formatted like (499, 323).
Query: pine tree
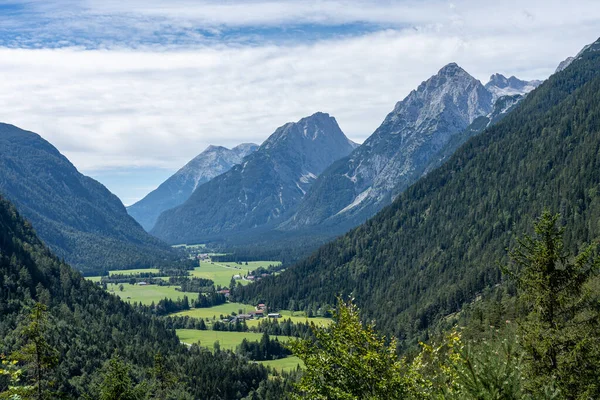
(561, 331)
(117, 383)
(37, 355)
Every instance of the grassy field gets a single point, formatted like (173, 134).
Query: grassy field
(285, 315)
(134, 271)
(220, 273)
(228, 308)
(252, 265)
(148, 294)
(284, 364)
(225, 309)
(227, 340)
(124, 272)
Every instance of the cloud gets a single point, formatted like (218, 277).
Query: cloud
(136, 83)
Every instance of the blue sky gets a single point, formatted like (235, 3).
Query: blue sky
(132, 90)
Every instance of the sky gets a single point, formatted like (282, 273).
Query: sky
(131, 90)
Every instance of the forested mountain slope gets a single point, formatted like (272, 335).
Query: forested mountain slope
(88, 325)
(269, 183)
(439, 243)
(81, 220)
(212, 162)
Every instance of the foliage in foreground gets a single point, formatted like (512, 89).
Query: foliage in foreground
(552, 353)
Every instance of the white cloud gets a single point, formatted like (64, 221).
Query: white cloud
(160, 107)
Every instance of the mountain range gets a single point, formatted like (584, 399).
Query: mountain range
(212, 162)
(411, 139)
(264, 187)
(77, 217)
(439, 244)
(422, 130)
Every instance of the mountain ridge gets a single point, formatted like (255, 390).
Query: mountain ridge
(390, 159)
(75, 215)
(211, 162)
(263, 188)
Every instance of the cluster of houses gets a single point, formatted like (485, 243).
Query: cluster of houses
(256, 277)
(259, 312)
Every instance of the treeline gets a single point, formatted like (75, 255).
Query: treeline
(197, 285)
(265, 349)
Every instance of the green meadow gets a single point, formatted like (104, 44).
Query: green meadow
(228, 308)
(134, 271)
(227, 340)
(283, 364)
(124, 272)
(222, 309)
(221, 273)
(149, 293)
(298, 317)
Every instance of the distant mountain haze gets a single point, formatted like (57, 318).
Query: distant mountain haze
(499, 86)
(212, 162)
(77, 217)
(264, 187)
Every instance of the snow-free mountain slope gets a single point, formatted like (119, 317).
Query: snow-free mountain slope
(212, 162)
(77, 217)
(264, 187)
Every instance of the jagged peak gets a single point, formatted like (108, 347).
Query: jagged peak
(312, 127)
(316, 117)
(452, 69)
(212, 148)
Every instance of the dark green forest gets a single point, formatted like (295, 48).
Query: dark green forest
(437, 247)
(76, 216)
(88, 335)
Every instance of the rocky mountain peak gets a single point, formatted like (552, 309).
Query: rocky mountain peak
(213, 161)
(499, 80)
(214, 149)
(499, 85)
(317, 127)
(451, 69)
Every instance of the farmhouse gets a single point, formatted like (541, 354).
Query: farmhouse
(261, 306)
(257, 313)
